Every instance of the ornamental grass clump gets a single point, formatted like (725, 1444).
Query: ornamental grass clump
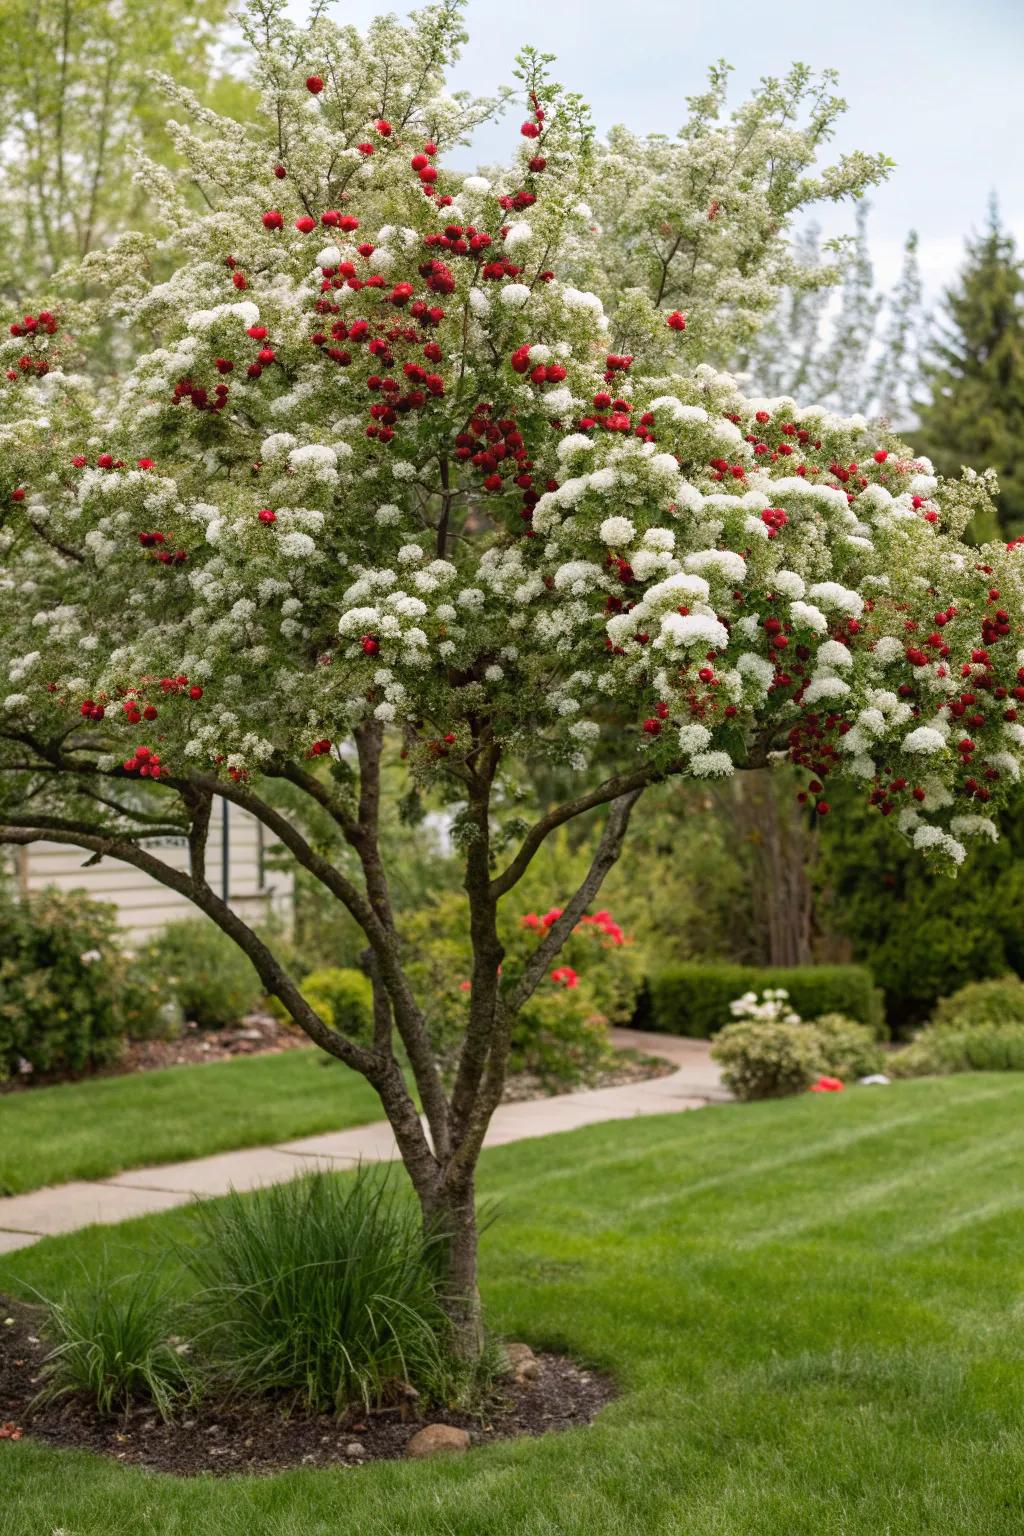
(118, 1341)
(323, 1291)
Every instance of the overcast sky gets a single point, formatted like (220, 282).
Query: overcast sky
(936, 84)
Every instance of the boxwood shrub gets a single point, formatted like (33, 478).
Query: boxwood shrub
(693, 999)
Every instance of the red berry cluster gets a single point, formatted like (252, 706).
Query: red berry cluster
(187, 389)
(43, 324)
(541, 373)
(156, 542)
(496, 447)
(461, 240)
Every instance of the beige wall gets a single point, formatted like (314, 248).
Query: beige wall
(143, 904)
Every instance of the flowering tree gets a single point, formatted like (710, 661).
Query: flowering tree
(382, 484)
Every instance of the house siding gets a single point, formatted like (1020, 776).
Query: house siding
(143, 904)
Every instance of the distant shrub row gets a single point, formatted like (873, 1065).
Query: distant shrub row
(693, 999)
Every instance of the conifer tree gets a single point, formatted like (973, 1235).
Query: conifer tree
(974, 409)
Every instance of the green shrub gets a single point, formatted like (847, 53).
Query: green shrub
(559, 1038)
(561, 1034)
(982, 1003)
(693, 999)
(61, 984)
(981, 1048)
(768, 1060)
(848, 1049)
(212, 980)
(344, 1000)
(320, 1288)
(116, 1341)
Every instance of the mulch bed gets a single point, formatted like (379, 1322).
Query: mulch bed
(257, 1436)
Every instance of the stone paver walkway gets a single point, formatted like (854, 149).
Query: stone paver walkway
(65, 1207)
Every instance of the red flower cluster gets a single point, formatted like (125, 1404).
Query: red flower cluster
(145, 763)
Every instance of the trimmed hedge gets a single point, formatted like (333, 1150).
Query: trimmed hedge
(693, 999)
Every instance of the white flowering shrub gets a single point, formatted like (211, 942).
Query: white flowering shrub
(383, 483)
(772, 1007)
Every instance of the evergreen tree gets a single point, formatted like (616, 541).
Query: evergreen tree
(974, 411)
(897, 367)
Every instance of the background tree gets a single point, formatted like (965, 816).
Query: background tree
(973, 412)
(380, 496)
(76, 106)
(861, 353)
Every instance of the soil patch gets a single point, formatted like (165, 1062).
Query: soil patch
(258, 1435)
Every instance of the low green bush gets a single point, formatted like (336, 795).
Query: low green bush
(937, 1051)
(981, 1004)
(115, 1340)
(344, 1000)
(848, 1049)
(693, 999)
(323, 1289)
(559, 1039)
(766, 1059)
(62, 979)
(212, 980)
(561, 1034)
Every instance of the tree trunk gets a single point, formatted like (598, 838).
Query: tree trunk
(449, 1221)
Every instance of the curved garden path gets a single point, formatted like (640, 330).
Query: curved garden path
(61, 1208)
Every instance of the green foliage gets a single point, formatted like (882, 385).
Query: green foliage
(681, 216)
(560, 1034)
(209, 975)
(982, 1004)
(344, 1000)
(974, 412)
(320, 1288)
(61, 984)
(979, 1048)
(559, 1038)
(921, 935)
(768, 1060)
(849, 1050)
(115, 1339)
(694, 999)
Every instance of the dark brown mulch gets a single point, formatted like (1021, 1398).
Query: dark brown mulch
(256, 1436)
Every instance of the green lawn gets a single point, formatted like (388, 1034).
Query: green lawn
(815, 1309)
(92, 1129)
